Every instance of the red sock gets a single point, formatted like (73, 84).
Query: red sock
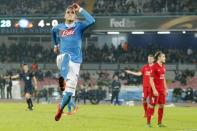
(149, 114)
(145, 108)
(160, 115)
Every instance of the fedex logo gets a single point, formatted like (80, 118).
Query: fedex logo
(67, 32)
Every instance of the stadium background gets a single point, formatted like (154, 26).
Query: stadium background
(125, 32)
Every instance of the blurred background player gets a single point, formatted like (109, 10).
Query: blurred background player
(116, 85)
(67, 39)
(2, 86)
(9, 88)
(145, 72)
(27, 78)
(159, 88)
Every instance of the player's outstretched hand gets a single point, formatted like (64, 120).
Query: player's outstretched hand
(76, 7)
(127, 71)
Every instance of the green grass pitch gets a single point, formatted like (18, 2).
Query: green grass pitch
(13, 117)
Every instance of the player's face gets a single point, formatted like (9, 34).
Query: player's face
(162, 58)
(70, 15)
(25, 68)
(150, 59)
(116, 78)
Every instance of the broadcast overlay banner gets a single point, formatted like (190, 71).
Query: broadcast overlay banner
(39, 25)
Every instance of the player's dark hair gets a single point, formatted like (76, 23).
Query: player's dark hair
(157, 55)
(115, 76)
(150, 55)
(69, 7)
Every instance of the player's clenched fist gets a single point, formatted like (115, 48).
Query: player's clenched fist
(76, 7)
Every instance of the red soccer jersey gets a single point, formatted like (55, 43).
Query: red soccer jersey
(158, 74)
(146, 70)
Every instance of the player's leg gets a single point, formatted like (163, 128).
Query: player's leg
(116, 96)
(144, 101)
(70, 105)
(161, 103)
(10, 92)
(3, 92)
(71, 77)
(151, 108)
(160, 115)
(72, 80)
(113, 96)
(7, 92)
(145, 105)
(28, 100)
(62, 64)
(150, 111)
(66, 98)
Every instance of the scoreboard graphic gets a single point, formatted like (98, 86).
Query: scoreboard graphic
(28, 25)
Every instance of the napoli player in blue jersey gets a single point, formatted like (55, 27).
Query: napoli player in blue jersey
(67, 40)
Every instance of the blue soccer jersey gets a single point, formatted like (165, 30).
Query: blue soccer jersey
(69, 37)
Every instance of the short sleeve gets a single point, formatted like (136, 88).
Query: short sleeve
(152, 71)
(142, 70)
(32, 74)
(21, 75)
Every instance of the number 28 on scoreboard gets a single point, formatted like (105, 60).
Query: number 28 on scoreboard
(5, 23)
(27, 23)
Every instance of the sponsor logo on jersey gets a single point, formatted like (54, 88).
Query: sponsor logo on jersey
(68, 32)
(148, 73)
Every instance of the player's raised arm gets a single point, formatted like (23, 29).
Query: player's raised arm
(89, 19)
(55, 41)
(133, 73)
(12, 77)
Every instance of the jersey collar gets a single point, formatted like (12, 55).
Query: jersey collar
(70, 25)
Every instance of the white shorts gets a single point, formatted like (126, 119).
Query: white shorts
(73, 73)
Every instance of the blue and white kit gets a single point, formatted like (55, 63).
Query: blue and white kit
(69, 40)
(68, 37)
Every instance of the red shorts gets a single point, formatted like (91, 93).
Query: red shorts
(145, 92)
(153, 100)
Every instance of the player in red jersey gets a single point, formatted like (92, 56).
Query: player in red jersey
(145, 72)
(158, 88)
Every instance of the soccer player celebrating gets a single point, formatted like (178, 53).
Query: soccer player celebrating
(145, 72)
(159, 88)
(67, 39)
